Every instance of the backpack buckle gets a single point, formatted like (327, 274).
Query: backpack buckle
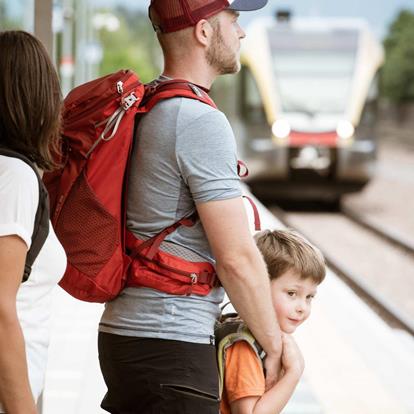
(128, 101)
(194, 278)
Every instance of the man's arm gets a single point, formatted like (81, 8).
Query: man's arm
(15, 392)
(243, 274)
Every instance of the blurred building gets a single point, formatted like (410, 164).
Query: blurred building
(58, 23)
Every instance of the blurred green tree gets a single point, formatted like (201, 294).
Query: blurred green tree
(132, 46)
(397, 79)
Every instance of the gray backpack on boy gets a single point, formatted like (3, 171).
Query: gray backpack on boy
(229, 330)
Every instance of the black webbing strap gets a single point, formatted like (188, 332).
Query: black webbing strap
(41, 223)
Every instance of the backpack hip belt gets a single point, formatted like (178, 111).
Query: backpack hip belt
(156, 269)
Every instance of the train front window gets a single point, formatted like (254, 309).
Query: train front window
(313, 70)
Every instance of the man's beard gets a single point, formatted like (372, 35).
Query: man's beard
(220, 56)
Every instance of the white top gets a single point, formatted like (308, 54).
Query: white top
(19, 197)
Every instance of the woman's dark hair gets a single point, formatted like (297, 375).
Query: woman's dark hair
(30, 98)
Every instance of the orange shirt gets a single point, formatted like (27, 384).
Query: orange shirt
(243, 375)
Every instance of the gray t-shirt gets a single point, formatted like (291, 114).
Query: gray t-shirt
(185, 153)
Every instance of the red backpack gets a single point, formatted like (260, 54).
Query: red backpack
(88, 194)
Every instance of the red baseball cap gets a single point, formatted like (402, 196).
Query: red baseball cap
(174, 15)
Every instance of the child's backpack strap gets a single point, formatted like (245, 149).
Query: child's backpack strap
(41, 223)
(229, 330)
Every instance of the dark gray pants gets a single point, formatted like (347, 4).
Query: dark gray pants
(156, 376)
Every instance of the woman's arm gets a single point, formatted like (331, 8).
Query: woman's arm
(15, 391)
(274, 400)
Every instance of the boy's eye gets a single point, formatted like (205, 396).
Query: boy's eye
(291, 293)
(310, 297)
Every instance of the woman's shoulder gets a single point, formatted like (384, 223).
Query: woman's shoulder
(19, 186)
(15, 172)
(19, 195)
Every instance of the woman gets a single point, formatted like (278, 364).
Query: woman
(30, 105)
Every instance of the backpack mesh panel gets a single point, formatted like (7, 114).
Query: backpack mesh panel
(83, 214)
(182, 252)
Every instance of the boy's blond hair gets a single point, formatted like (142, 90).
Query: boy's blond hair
(283, 250)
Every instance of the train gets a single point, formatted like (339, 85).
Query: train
(304, 106)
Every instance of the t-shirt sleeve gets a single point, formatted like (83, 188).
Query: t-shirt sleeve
(243, 373)
(19, 198)
(206, 157)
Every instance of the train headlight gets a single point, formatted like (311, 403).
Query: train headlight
(345, 130)
(281, 128)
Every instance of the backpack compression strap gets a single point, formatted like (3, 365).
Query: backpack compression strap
(41, 223)
(155, 242)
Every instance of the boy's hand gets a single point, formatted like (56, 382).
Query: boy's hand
(272, 366)
(292, 358)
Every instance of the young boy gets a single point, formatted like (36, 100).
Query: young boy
(296, 268)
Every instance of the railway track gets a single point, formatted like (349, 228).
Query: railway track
(388, 309)
(384, 232)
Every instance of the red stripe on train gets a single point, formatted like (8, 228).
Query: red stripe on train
(300, 139)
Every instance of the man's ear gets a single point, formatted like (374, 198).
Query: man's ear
(203, 32)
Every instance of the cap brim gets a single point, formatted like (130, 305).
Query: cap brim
(247, 5)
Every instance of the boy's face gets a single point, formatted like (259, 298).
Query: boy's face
(292, 299)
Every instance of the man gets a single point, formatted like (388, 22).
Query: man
(156, 349)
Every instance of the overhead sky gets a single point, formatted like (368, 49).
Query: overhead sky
(379, 13)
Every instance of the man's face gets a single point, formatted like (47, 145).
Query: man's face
(292, 299)
(223, 53)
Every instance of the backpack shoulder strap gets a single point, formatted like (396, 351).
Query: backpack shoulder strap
(174, 88)
(153, 95)
(41, 223)
(228, 332)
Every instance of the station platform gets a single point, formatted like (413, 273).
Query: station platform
(355, 363)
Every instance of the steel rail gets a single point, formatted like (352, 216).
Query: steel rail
(387, 311)
(384, 232)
